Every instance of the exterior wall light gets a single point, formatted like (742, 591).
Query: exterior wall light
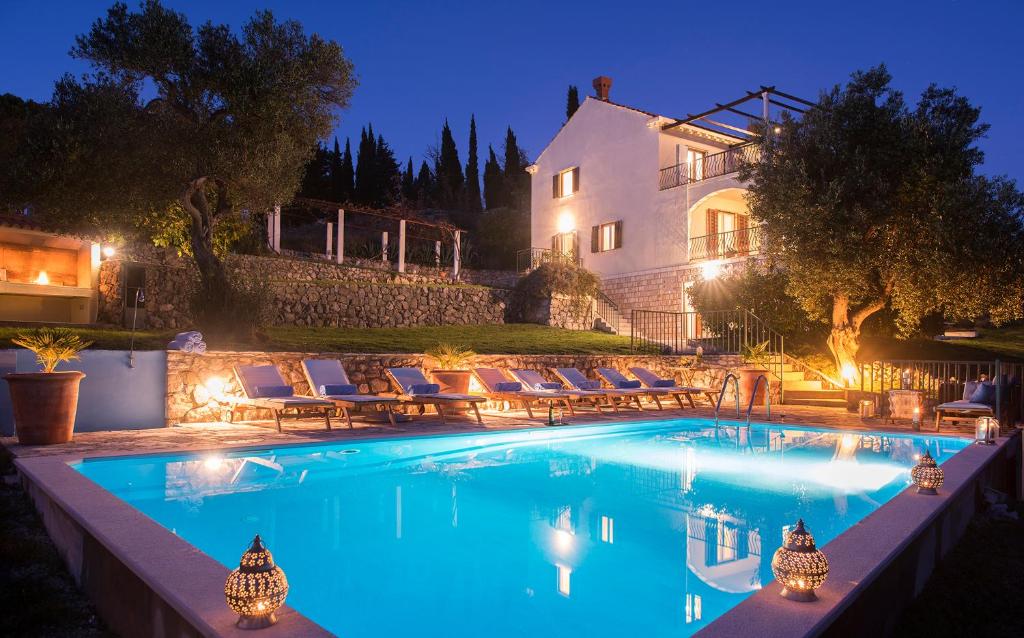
(986, 430)
(927, 475)
(257, 588)
(109, 251)
(799, 566)
(711, 270)
(566, 223)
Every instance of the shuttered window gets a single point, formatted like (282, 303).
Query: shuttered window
(565, 183)
(605, 237)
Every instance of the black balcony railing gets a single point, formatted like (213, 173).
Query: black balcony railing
(734, 243)
(709, 166)
(530, 259)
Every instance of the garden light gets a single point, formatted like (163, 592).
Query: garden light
(799, 565)
(257, 588)
(986, 430)
(109, 251)
(927, 475)
(711, 270)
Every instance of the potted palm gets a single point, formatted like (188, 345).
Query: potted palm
(45, 403)
(756, 359)
(452, 373)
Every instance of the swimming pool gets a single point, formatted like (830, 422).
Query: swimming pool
(631, 529)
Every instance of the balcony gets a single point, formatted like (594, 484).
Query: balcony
(530, 259)
(709, 166)
(745, 242)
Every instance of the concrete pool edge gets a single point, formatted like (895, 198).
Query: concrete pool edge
(143, 579)
(880, 564)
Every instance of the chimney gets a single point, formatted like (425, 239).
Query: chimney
(602, 86)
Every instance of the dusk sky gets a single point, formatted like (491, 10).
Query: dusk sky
(510, 63)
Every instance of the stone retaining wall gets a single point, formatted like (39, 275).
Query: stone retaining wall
(198, 386)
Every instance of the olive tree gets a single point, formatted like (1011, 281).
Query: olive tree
(181, 126)
(868, 202)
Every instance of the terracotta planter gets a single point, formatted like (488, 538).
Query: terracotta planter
(453, 382)
(45, 404)
(748, 377)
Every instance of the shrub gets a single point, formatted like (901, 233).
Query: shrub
(52, 345)
(574, 282)
(451, 356)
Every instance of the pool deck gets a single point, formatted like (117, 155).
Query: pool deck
(222, 435)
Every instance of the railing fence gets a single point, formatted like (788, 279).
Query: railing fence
(530, 259)
(714, 165)
(733, 243)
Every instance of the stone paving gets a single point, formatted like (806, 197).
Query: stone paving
(221, 435)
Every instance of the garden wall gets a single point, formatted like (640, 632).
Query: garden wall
(309, 292)
(192, 397)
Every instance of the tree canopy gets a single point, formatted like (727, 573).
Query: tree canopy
(869, 202)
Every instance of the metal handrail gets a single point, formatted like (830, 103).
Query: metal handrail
(608, 311)
(767, 397)
(742, 242)
(714, 165)
(721, 395)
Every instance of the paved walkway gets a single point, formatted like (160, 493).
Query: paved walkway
(200, 436)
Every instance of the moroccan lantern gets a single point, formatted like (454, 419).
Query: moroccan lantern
(866, 408)
(257, 588)
(927, 475)
(986, 430)
(799, 566)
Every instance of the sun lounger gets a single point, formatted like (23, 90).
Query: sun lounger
(533, 380)
(264, 388)
(498, 387)
(576, 380)
(651, 380)
(975, 403)
(414, 388)
(328, 381)
(619, 381)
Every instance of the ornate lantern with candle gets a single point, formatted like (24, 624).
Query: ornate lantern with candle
(799, 565)
(927, 475)
(986, 430)
(867, 408)
(257, 588)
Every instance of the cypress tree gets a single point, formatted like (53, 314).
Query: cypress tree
(409, 183)
(336, 191)
(316, 178)
(388, 174)
(450, 180)
(494, 181)
(572, 101)
(472, 171)
(366, 180)
(516, 181)
(424, 185)
(347, 175)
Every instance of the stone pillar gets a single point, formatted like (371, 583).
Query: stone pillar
(457, 256)
(340, 252)
(401, 245)
(330, 239)
(384, 247)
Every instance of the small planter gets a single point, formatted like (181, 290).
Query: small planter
(748, 377)
(44, 405)
(453, 382)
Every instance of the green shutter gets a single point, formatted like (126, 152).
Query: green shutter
(595, 239)
(618, 234)
(554, 186)
(575, 179)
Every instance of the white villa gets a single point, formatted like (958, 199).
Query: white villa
(650, 203)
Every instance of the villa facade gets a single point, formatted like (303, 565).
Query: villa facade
(648, 202)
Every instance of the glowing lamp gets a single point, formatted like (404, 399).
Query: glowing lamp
(711, 270)
(927, 475)
(986, 430)
(566, 224)
(257, 588)
(849, 373)
(109, 251)
(43, 279)
(799, 566)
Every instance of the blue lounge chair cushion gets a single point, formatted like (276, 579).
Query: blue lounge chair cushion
(508, 386)
(628, 384)
(338, 389)
(985, 393)
(664, 383)
(590, 384)
(424, 388)
(549, 385)
(272, 391)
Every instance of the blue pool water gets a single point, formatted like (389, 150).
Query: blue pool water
(649, 529)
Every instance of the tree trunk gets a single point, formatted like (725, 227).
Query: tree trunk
(844, 338)
(214, 288)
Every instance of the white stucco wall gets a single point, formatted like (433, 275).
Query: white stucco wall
(619, 152)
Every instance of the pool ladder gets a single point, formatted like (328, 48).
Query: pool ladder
(750, 406)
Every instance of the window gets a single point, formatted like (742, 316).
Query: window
(606, 237)
(565, 244)
(565, 183)
(695, 160)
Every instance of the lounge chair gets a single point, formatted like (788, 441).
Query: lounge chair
(497, 387)
(264, 388)
(533, 380)
(328, 381)
(414, 388)
(576, 380)
(619, 381)
(971, 406)
(651, 380)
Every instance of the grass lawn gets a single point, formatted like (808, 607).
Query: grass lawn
(504, 339)
(977, 589)
(40, 599)
(1005, 343)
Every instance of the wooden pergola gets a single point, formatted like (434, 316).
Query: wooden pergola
(768, 96)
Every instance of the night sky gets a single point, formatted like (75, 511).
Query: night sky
(510, 63)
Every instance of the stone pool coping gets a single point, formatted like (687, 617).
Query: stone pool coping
(881, 563)
(106, 543)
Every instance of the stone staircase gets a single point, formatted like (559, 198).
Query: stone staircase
(799, 389)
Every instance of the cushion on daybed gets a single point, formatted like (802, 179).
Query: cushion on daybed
(272, 391)
(338, 389)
